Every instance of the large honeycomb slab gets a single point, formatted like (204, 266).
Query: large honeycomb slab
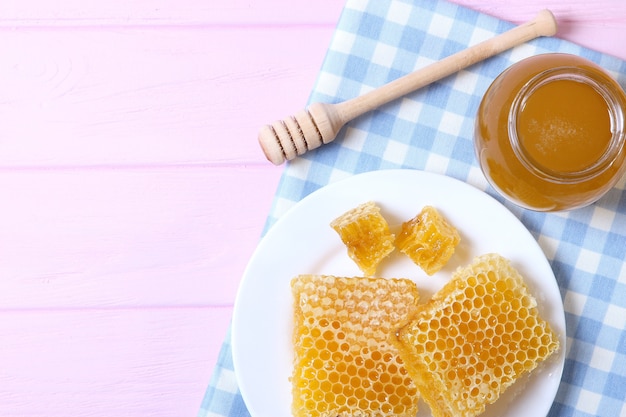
(345, 364)
(475, 338)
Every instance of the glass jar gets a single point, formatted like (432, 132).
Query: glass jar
(549, 132)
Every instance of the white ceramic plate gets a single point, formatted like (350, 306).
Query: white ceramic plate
(302, 242)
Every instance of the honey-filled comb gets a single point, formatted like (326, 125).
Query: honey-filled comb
(345, 364)
(475, 337)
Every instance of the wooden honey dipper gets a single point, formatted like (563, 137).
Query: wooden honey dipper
(320, 122)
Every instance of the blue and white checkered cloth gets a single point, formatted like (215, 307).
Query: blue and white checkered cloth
(380, 40)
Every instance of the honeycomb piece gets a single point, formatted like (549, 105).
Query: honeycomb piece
(366, 235)
(344, 362)
(474, 338)
(428, 239)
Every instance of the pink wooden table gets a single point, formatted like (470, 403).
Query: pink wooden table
(134, 189)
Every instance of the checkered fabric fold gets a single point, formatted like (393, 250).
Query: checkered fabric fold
(380, 40)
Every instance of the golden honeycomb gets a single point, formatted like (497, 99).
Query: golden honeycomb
(428, 239)
(474, 338)
(344, 362)
(366, 234)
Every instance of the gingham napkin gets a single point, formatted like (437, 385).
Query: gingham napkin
(380, 40)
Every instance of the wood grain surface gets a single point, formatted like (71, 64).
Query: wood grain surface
(134, 188)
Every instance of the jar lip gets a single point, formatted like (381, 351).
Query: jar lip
(616, 115)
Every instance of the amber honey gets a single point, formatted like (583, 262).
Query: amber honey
(550, 132)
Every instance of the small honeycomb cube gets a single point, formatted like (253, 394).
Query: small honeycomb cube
(365, 233)
(344, 362)
(474, 338)
(428, 239)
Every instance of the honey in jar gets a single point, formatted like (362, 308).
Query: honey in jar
(549, 132)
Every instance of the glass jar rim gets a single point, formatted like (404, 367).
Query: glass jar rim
(616, 117)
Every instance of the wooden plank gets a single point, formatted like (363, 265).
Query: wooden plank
(107, 362)
(143, 96)
(571, 10)
(143, 237)
(578, 22)
(168, 12)
(36, 13)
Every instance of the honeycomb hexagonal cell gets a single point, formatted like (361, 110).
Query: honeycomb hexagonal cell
(428, 239)
(474, 338)
(366, 235)
(344, 362)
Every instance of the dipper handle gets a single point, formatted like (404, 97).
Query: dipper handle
(320, 122)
